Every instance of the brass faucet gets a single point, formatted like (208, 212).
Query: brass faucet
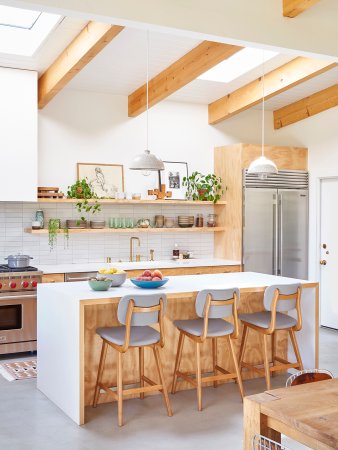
(138, 256)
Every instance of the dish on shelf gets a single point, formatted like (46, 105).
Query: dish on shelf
(149, 284)
(76, 224)
(185, 225)
(97, 224)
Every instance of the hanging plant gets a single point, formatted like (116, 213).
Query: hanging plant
(81, 190)
(54, 226)
(203, 187)
(65, 237)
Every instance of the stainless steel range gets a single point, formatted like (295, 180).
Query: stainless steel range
(18, 308)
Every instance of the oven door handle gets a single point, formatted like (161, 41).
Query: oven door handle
(17, 297)
(69, 279)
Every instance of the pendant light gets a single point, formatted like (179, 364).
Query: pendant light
(146, 161)
(263, 166)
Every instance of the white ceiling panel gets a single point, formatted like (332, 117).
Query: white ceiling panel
(121, 66)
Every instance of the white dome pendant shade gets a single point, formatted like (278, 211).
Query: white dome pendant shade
(146, 161)
(263, 166)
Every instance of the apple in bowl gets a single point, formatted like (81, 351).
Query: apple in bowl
(150, 280)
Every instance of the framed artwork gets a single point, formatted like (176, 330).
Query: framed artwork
(172, 177)
(104, 179)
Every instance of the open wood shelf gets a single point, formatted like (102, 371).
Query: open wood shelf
(134, 230)
(132, 202)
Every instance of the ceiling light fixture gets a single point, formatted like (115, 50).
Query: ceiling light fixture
(262, 166)
(147, 162)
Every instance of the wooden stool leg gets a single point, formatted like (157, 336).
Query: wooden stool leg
(237, 371)
(243, 344)
(296, 348)
(199, 376)
(273, 350)
(214, 358)
(178, 361)
(141, 367)
(162, 380)
(119, 389)
(266, 361)
(100, 372)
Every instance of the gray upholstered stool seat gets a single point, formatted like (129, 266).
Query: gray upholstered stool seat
(263, 320)
(216, 327)
(138, 335)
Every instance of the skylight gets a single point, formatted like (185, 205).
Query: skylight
(237, 65)
(18, 18)
(22, 31)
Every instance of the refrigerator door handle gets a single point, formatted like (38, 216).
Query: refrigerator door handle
(280, 235)
(274, 236)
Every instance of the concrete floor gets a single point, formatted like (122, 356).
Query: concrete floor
(28, 420)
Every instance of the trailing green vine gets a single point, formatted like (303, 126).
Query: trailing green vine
(53, 229)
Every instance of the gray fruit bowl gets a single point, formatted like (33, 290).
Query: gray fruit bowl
(117, 279)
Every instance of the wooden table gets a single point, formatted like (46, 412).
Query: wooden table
(307, 413)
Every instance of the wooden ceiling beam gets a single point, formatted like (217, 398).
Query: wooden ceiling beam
(279, 80)
(85, 46)
(307, 107)
(200, 59)
(291, 8)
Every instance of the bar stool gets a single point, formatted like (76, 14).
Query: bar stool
(276, 298)
(135, 313)
(211, 306)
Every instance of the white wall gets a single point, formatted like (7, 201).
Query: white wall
(80, 126)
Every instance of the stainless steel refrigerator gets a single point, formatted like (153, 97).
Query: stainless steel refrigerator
(275, 224)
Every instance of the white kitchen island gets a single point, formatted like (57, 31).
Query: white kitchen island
(69, 349)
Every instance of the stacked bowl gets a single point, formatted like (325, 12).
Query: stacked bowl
(186, 221)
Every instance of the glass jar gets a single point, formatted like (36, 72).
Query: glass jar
(211, 222)
(199, 220)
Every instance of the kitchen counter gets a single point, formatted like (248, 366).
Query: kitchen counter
(142, 265)
(69, 349)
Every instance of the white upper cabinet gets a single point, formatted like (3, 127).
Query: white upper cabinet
(18, 135)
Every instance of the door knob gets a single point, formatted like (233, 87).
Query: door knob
(322, 262)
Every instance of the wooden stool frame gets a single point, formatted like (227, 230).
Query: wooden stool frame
(152, 386)
(283, 363)
(224, 375)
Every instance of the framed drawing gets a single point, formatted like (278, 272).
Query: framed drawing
(172, 177)
(105, 180)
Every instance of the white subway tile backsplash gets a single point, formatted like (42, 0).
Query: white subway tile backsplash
(83, 248)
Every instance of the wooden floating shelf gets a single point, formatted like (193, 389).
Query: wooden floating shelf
(134, 230)
(133, 202)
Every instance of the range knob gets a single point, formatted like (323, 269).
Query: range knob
(25, 284)
(0, 285)
(34, 283)
(12, 285)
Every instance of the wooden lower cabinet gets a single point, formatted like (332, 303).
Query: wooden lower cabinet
(60, 277)
(53, 278)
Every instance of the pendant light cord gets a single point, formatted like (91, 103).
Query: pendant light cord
(263, 103)
(147, 110)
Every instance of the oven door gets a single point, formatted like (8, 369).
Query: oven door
(17, 318)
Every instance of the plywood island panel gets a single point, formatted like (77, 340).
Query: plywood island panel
(69, 348)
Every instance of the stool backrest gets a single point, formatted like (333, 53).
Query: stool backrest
(216, 304)
(308, 376)
(146, 309)
(141, 310)
(283, 297)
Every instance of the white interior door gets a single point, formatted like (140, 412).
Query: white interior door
(329, 253)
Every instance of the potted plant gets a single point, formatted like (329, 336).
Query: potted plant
(203, 187)
(81, 190)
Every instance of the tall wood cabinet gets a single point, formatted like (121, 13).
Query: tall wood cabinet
(229, 162)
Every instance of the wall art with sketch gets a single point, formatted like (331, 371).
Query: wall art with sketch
(104, 179)
(172, 177)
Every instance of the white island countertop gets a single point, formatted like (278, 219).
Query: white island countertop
(61, 334)
(142, 265)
